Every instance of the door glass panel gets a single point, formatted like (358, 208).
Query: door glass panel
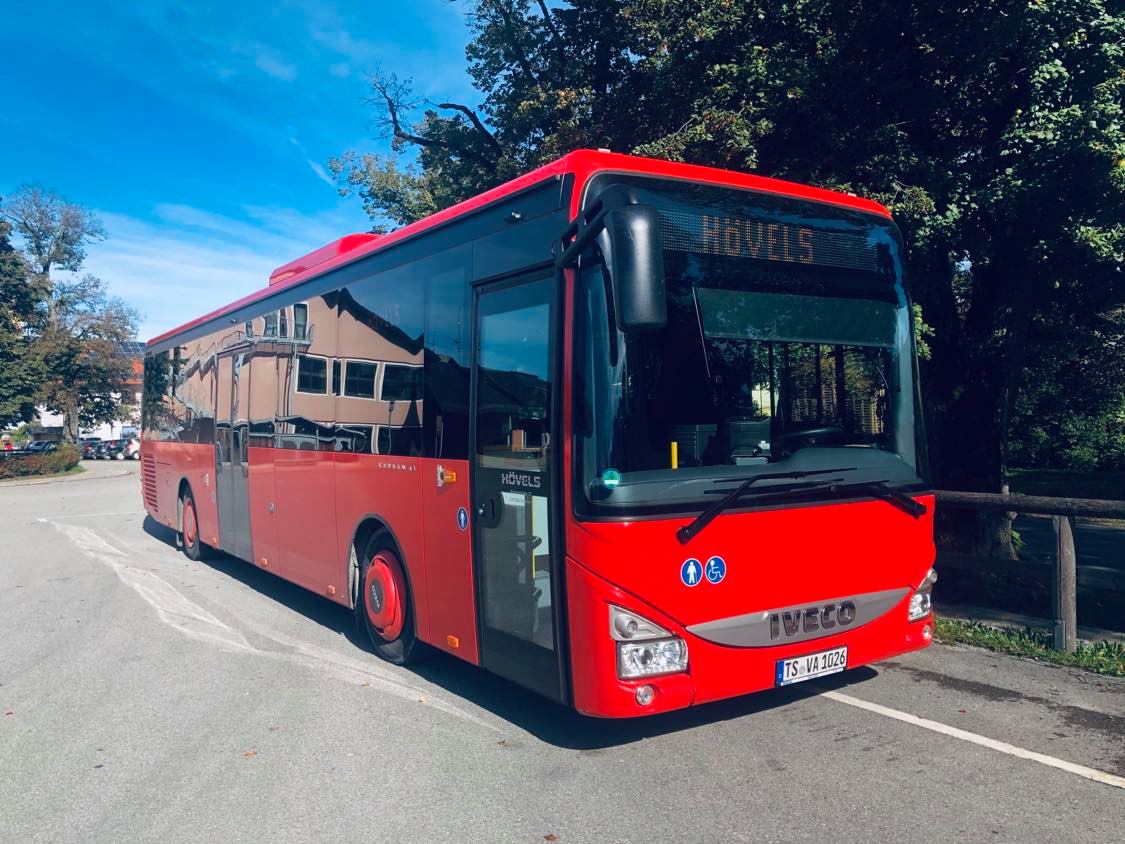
(512, 479)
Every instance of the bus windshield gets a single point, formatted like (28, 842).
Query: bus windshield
(787, 347)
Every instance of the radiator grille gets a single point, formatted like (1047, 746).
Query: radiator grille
(148, 479)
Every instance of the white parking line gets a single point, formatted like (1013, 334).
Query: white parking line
(90, 515)
(983, 741)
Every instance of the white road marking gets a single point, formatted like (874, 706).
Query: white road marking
(983, 741)
(180, 613)
(91, 515)
(171, 606)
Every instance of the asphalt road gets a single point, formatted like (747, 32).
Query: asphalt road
(144, 696)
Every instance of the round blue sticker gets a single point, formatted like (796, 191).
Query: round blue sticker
(691, 572)
(716, 569)
(462, 518)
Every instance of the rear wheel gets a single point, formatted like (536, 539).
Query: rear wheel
(189, 527)
(384, 606)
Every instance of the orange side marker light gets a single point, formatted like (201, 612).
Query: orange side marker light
(453, 641)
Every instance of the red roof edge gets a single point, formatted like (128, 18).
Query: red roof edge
(335, 249)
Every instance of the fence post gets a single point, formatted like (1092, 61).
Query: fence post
(1064, 585)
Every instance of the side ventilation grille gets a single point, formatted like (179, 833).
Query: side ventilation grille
(148, 479)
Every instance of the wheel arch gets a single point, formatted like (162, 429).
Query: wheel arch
(367, 526)
(184, 486)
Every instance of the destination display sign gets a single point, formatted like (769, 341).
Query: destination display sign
(766, 240)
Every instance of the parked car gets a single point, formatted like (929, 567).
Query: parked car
(101, 450)
(122, 449)
(89, 446)
(42, 446)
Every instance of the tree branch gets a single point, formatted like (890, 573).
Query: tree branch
(476, 121)
(391, 91)
(521, 57)
(556, 36)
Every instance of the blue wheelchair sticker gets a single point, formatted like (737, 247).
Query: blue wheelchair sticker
(691, 572)
(462, 518)
(716, 570)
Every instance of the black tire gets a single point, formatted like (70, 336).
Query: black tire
(403, 647)
(193, 549)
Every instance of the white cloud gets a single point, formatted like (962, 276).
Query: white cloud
(321, 173)
(273, 65)
(192, 261)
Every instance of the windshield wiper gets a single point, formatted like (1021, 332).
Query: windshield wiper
(688, 532)
(880, 490)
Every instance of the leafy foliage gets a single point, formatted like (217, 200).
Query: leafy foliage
(21, 367)
(60, 339)
(1103, 657)
(62, 459)
(999, 146)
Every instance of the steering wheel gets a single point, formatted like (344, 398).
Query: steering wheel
(821, 435)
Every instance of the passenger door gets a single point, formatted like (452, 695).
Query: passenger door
(518, 588)
(232, 477)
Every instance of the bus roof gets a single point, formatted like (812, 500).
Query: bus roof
(582, 164)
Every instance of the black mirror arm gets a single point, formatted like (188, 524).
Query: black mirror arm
(580, 234)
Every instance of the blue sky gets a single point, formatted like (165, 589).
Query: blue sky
(198, 132)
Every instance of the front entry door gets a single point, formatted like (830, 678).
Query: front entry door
(232, 473)
(517, 579)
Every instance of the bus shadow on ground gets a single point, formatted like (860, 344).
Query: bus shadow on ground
(547, 721)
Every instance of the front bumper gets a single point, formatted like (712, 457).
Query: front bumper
(714, 671)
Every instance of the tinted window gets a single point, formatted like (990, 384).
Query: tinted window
(401, 383)
(301, 321)
(379, 337)
(359, 379)
(312, 375)
(446, 381)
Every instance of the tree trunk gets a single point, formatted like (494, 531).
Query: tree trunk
(964, 393)
(70, 421)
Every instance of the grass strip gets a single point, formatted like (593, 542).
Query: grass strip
(1106, 657)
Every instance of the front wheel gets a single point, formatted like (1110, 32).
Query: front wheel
(384, 607)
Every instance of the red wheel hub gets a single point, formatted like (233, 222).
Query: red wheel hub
(191, 529)
(384, 594)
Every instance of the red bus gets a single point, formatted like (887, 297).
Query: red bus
(636, 435)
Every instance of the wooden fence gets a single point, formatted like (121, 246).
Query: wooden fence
(1064, 569)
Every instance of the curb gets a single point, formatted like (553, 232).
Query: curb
(87, 475)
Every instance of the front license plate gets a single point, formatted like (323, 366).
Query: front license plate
(811, 665)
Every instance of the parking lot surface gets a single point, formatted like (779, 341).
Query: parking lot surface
(144, 696)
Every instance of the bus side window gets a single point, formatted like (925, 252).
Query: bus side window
(446, 382)
(376, 374)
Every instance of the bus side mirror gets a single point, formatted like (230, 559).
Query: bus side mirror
(634, 257)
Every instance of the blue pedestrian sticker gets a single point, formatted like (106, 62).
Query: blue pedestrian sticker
(462, 518)
(716, 569)
(690, 572)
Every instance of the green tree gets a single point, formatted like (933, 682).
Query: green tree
(74, 329)
(21, 367)
(992, 128)
(90, 380)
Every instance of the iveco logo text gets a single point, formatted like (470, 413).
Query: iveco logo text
(521, 479)
(811, 619)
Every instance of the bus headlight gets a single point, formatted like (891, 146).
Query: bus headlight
(644, 648)
(644, 659)
(921, 602)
